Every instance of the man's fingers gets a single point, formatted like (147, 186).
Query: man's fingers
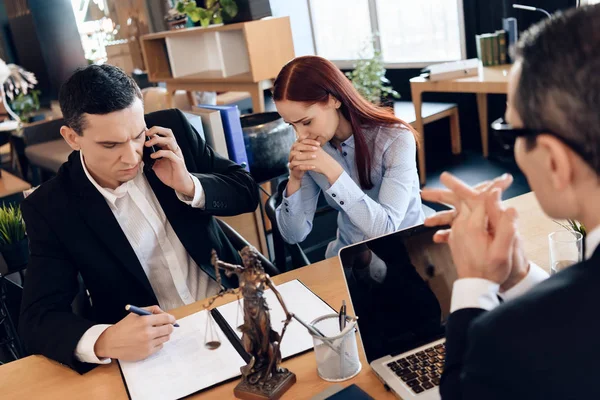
(159, 341)
(160, 319)
(154, 309)
(165, 154)
(160, 131)
(463, 191)
(504, 238)
(163, 330)
(478, 219)
(441, 218)
(494, 208)
(441, 236)
(168, 143)
(441, 196)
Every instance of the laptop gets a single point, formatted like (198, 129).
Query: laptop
(400, 288)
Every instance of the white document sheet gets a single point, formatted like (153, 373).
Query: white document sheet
(183, 366)
(299, 300)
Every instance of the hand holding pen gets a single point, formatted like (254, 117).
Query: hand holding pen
(135, 338)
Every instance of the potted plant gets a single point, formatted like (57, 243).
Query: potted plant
(214, 12)
(24, 105)
(13, 241)
(368, 76)
(575, 226)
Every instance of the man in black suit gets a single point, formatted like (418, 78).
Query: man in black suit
(136, 233)
(541, 343)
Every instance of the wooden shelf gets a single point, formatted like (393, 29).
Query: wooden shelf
(211, 76)
(248, 52)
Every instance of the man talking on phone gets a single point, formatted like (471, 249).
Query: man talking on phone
(135, 226)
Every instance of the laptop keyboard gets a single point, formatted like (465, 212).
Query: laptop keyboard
(421, 371)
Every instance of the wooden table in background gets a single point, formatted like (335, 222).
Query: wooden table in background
(37, 377)
(10, 184)
(490, 80)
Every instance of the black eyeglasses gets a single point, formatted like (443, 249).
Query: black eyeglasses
(508, 135)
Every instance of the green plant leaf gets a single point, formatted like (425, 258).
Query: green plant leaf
(210, 3)
(190, 8)
(217, 17)
(230, 8)
(12, 226)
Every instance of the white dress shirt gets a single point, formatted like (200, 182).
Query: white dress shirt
(482, 293)
(174, 276)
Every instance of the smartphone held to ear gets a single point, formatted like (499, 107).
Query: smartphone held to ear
(148, 161)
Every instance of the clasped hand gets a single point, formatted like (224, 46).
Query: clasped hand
(308, 155)
(483, 236)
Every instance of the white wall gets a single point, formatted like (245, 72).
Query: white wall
(297, 10)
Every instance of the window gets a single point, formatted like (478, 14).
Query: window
(412, 33)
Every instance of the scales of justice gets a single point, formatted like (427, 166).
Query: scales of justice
(263, 377)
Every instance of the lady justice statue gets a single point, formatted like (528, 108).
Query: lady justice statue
(262, 377)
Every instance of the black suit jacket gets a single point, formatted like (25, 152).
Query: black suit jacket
(542, 345)
(72, 231)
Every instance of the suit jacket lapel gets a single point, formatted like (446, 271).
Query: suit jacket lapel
(97, 214)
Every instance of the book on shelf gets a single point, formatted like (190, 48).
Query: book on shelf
(234, 136)
(213, 129)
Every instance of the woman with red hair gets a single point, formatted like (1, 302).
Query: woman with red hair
(360, 155)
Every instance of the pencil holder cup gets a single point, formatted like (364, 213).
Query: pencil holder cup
(336, 352)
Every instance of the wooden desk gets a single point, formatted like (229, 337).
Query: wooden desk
(38, 377)
(10, 184)
(490, 80)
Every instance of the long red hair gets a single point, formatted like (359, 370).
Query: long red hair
(311, 79)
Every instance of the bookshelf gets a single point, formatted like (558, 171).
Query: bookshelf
(241, 57)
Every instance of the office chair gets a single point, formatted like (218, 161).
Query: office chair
(239, 243)
(298, 257)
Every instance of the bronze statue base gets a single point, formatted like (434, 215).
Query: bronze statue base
(273, 389)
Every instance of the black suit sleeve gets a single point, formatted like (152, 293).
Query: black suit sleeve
(47, 324)
(228, 188)
(478, 354)
(457, 330)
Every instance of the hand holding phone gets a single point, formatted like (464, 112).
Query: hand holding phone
(148, 161)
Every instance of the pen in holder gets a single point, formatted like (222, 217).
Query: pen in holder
(336, 352)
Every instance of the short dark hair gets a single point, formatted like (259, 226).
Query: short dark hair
(96, 89)
(559, 87)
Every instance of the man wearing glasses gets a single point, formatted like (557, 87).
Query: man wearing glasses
(540, 342)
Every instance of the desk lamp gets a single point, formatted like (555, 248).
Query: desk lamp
(530, 8)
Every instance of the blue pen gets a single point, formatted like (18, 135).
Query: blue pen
(141, 311)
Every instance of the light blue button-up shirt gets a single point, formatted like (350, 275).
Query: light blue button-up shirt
(393, 203)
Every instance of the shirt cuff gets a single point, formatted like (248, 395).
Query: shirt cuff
(199, 199)
(85, 347)
(533, 277)
(345, 192)
(474, 293)
(291, 203)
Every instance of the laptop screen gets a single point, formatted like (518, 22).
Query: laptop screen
(400, 286)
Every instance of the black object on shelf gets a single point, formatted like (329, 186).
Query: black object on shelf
(268, 141)
(251, 10)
